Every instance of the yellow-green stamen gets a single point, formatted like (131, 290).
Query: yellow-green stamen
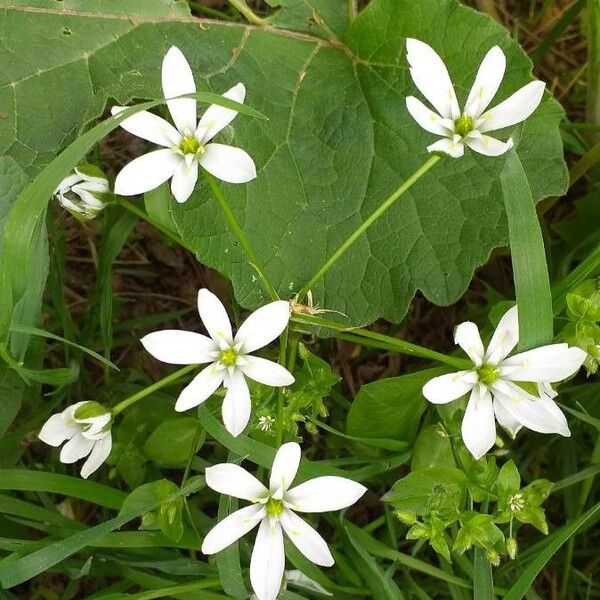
(463, 125)
(487, 374)
(228, 357)
(274, 507)
(190, 145)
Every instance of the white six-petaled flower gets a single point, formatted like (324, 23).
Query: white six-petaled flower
(85, 427)
(187, 144)
(229, 355)
(275, 509)
(469, 126)
(81, 193)
(493, 386)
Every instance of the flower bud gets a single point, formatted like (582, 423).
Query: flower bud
(406, 516)
(512, 547)
(84, 192)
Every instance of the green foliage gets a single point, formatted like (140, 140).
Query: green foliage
(173, 441)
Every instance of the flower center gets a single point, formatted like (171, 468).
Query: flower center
(190, 145)
(228, 357)
(463, 125)
(516, 502)
(274, 507)
(487, 374)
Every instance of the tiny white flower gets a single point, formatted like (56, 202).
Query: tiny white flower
(275, 509)
(266, 422)
(492, 386)
(81, 193)
(85, 427)
(470, 126)
(187, 144)
(229, 355)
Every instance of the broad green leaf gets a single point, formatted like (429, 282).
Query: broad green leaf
(432, 448)
(171, 442)
(338, 142)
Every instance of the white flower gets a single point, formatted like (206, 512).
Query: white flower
(229, 356)
(275, 509)
(300, 580)
(469, 126)
(187, 144)
(80, 193)
(265, 423)
(492, 385)
(86, 426)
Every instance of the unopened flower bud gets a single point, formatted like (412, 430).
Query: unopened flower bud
(406, 516)
(493, 557)
(84, 192)
(512, 547)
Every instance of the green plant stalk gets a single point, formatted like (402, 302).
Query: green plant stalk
(429, 163)
(281, 391)
(121, 406)
(239, 233)
(248, 12)
(378, 340)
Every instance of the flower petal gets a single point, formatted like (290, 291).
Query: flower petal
(488, 146)
(146, 172)
(488, 80)
(178, 80)
(445, 388)
(505, 337)
(551, 363)
(285, 466)
(479, 425)
(214, 316)
(177, 347)
(218, 117)
(430, 75)
(467, 337)
(232, 528)
(57, 429)
(268, 561)
(200, 388)
(236, 407)
(97, 456)
(506, 419)
(184, 180)
(233, 480)
(227, 163)
(263, 326)
(452, 147)
(266, 371)
(514, 109)
(323, 494)
(149, 127)
(427, 119)
(306, 539)
(77, 447)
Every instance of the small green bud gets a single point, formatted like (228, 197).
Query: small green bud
(512, 547)
(407, 517)
(90, 410)
(493, 557)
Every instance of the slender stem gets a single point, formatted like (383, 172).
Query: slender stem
(432, 160)
(378, 340)
(280, 392)
(247, 12)
(351, 4)
(239, 233)
(6, 356)
(152, 388)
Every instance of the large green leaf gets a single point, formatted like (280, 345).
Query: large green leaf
(338, 142)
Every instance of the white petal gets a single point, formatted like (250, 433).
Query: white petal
(467, 337)
(306, 539)
(268, 561)
(266, 371)
(57, 429)
(178, 80)
(146, 172)
(427, 119)
(479, 425)
(506, 419)
(218, 117)
(445, 388)
(150, 127)
(236, 407)
(488, 146)
(452, 147)
(77, 447)
(263, 326)
(505, 338)
(214, 316)
(488, 80)
(546, 364)
(545, 389)
(233, 480)
(431, 77)
(200, 388)
(514, 109)
(323, 494)
(177, 347)
(232, 528)
(285, 466)
(184, 180)
(229, 164)
(97, 456)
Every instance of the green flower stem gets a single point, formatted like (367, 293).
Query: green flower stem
(280, 392)
(378, 340)
(239, 233)
(247, 12)
(431, 161)
(152, 388)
